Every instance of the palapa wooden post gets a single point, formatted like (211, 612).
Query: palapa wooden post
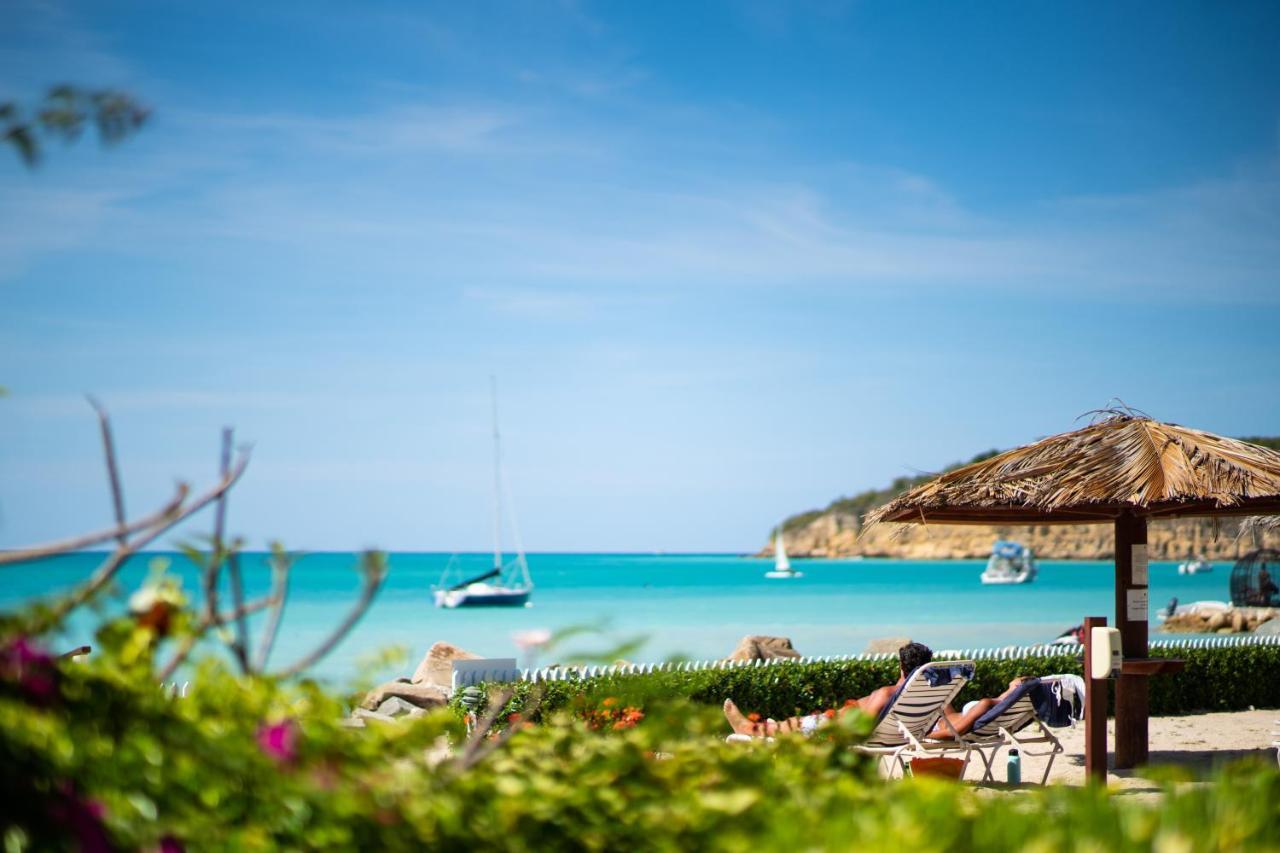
(1131, 618)
(1095, 709)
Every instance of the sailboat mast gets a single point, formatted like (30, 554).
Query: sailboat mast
(497, 477)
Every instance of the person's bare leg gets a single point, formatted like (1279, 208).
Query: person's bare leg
(743, 725)
(738, 721)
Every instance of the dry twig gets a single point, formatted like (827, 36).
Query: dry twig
(113, 471)
(374, 564)
(281, 563)
(480, 744)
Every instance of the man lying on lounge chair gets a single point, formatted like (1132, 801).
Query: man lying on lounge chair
(911, 657)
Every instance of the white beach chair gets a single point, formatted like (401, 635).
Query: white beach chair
(913, 712)
(1013, 722)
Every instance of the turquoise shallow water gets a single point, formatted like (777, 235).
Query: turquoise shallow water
(695, 605)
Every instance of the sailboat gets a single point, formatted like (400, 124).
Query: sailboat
(781, 565)
(506, 584)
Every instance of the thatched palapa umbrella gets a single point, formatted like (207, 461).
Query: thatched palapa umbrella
(1123, 469)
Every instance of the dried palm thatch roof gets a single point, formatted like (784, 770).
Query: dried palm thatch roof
(1123, 463)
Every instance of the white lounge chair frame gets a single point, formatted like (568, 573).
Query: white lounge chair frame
(1009, 729)
(903, 730)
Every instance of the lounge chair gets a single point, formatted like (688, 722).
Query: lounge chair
(902, 731)
(910, 715)
(1007, 724)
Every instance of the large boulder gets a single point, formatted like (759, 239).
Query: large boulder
(437, 665)
(1271, 626)
(395, 706)
(886, 645)
(757, 647)
(426, 696)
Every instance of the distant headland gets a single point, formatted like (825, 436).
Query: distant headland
(836, 531)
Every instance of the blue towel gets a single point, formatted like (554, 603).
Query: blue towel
(936, 675)
(1031, 685)
(1049, 708)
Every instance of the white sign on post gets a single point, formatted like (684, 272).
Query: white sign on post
(1139, 573)
(1136, 605)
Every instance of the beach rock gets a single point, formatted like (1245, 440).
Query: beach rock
(1270, 627)
(1216, 621)
(366, 714)
(394, 706)
(885, 645)
(427, 696)
(352, 723)
(1237, 622)
(437, 665)
(759, 647)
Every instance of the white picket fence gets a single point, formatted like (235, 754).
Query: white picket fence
(1158, 648)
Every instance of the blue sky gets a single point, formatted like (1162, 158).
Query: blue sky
(728, 260)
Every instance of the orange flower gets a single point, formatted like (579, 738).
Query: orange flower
(829, 713)
(753, 717)
(609, 702)
(849, 703)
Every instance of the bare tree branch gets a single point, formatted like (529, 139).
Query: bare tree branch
(113, 471)
(240, 647)
(214, 565)
(281, 563)
(479, 745)
(374, 564)
(66, 546)
(189, 641)
(108, 568)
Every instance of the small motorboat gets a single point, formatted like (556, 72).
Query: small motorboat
(1010, 562)
(1201, 608)
(1195, 566)
(781, 565)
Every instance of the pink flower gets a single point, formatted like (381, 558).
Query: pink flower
(34, 669)
(279, 740)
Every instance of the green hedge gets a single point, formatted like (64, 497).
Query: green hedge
(1222, 679)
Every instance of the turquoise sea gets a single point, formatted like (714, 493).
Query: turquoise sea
(693, 605)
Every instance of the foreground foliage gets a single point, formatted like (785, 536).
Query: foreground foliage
(97, 756)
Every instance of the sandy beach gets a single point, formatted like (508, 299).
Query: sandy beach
(1197, 742)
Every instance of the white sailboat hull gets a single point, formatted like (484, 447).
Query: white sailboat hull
(781, 565)
(484, 595)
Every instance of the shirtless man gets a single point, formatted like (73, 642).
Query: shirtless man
(911, 657)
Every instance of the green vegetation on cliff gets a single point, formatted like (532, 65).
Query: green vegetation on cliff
(863, 502)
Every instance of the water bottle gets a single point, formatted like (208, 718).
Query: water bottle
(1013, 769)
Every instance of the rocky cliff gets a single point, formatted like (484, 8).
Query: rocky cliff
(837, 532)
(835, 535)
